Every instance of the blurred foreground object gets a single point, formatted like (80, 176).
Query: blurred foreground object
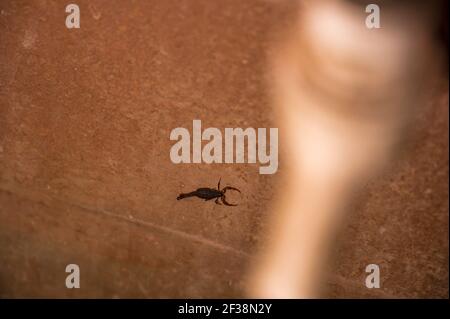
(344, 95)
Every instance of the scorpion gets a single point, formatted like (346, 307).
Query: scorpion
(210, 193)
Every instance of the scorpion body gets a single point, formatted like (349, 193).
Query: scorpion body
(210, 193)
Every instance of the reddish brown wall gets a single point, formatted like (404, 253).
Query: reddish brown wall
(86, 178)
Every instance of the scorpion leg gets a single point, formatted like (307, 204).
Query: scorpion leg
(218, 185)
(217, 201)
(225, 202)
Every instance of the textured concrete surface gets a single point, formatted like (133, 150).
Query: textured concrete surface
(86, 178)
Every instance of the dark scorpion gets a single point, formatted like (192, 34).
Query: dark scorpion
(210, 193)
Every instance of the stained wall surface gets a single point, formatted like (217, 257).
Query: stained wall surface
(86, 177)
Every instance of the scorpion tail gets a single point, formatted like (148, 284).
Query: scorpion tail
(181, 196)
